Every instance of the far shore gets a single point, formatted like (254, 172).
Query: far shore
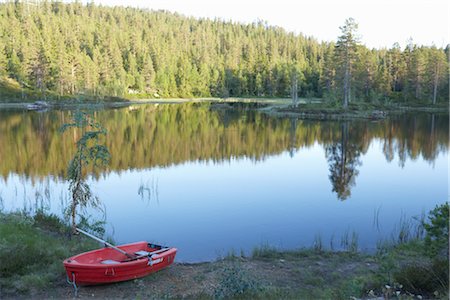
(315, 109)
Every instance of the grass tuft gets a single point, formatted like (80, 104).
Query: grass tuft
(265, 252)
(423, 278)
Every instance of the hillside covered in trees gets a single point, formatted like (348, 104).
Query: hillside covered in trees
(54, 49)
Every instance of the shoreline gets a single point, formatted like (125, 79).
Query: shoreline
(336, 115)
(268, 273)
(276, 107)
(319, 111)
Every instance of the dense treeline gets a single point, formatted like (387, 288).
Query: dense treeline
(73, 49)
(164, 135)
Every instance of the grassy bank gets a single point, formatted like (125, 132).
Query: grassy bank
(32, 250)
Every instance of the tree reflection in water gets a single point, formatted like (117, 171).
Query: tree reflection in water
(151, 136)
(343, 158)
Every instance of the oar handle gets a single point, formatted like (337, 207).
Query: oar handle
(104, 242)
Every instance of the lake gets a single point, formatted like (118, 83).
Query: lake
(211, 181)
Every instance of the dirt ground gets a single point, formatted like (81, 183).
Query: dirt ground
(224, 278)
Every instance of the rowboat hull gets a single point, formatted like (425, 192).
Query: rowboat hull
(107, 265)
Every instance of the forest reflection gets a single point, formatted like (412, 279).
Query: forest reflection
(147, 136)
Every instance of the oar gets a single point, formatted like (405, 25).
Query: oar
(148, 254)
(105, 242)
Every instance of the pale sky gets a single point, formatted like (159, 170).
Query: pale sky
(381, 22)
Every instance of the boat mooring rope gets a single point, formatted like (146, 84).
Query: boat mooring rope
(75, 288)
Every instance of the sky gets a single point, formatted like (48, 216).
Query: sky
(381, 22)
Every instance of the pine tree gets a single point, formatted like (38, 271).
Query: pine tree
(416, 71)
(38, 70)
(61, 70)
(89, 75)
(131, 70)
(15, 67)
(328, 77)
(184, 76)
(365, 69)
(414, 79)
(383, 78)
(397, 67)
(345, 55)
(436, 72)
(148, 73)
(3, 62)
(259, 87)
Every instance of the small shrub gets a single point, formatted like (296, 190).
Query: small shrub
(353, 288)
(49, 222)
(436, 238)
(94, 227)
(424, 278)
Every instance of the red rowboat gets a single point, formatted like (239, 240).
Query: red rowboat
(112, 264)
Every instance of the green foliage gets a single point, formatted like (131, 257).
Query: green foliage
(11, 91)
(88, 152)
(96, 51)
(436, 238)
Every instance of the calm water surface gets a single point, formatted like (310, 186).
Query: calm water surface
(209, 182)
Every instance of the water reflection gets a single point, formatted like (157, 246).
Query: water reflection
(148, 191)
(172, 134)
(344, 158)
(180, 173)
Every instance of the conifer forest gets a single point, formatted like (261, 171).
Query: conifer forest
(76, 50)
